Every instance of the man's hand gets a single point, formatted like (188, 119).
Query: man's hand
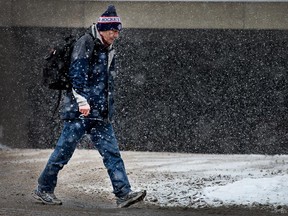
(85, 110)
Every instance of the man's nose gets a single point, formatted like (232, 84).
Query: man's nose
(116, 34)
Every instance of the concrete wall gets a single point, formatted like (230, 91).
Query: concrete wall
(147, 14)
(193, 76)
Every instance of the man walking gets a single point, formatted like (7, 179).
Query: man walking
(88, 108)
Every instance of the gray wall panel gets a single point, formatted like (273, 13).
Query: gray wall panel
(147, 14)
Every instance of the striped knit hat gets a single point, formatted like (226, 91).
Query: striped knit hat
(109, 20)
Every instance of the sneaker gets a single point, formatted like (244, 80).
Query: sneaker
(130, 198)
(46, 198)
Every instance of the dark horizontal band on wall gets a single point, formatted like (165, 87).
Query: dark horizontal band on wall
(198, 91)
(148, 14)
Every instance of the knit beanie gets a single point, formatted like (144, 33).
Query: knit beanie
(109, 20)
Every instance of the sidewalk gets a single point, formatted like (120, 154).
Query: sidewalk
(171, 179)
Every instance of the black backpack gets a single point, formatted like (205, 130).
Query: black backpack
(57, 63)
(56, 66)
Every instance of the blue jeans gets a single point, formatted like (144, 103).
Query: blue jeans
(104, 140)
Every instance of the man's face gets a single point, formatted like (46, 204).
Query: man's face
(109, 36)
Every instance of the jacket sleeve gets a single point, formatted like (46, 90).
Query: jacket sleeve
(79, 68)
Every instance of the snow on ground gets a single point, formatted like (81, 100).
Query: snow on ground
(4, 147)
(199, 180)
(179, 180)
(270, 190)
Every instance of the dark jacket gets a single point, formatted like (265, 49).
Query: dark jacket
(92, 72)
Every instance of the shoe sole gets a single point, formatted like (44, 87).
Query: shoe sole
(38, 198)
(133, 200)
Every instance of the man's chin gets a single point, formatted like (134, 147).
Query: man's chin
(107, 43)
